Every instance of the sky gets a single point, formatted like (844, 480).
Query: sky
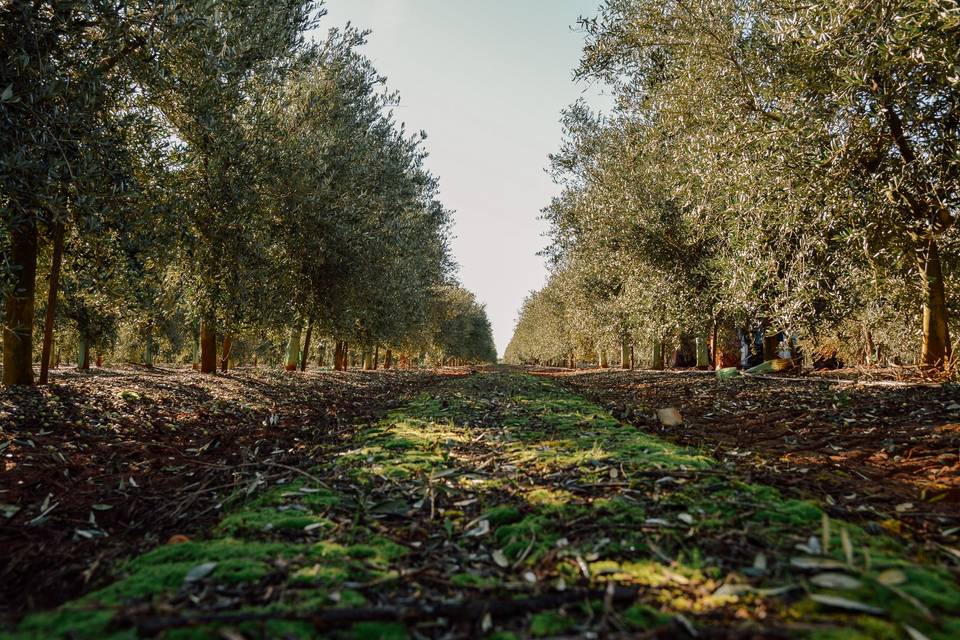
(487, 82)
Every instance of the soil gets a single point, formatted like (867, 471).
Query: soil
(105, 463)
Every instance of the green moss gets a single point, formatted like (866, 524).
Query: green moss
(376, 631)
(258, 521)
(377, 551)
(503, 514)
(934, 587)
(471, 580)
(641, 616)
(70, 622)
(214, 551)
(319, 575)
(533, 535)
(151, 580)
(238, 570)
(861, 628)
(549, 623)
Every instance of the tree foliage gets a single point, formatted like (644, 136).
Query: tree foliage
(767, 167)
(218, 177)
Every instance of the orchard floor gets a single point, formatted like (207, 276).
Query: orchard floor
(105, 463)
(882, 452)
(391, 505)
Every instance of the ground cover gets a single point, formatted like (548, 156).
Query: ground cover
(498, 503)
(100, 465)
(880, 452)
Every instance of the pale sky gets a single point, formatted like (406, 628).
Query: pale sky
(486, 81)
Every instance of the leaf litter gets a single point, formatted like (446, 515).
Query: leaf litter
(486, 505)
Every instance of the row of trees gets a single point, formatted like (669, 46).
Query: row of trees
(198, 174)
(769, 167)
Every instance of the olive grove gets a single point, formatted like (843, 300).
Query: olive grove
(203, 181)
(773, 170)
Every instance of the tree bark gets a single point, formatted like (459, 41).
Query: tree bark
(367, 359)
(625, 354)
(83, 355)
(208, 346)
(770, 344)
(388, 359)
(148, 351)
(293, 347)
(376, 357)
(51, 303)
(703, 354)
(935, 351)
(726, 345)
(657, 364)
(18, 309)
(306, 345)
(602, 358)
(225, 348)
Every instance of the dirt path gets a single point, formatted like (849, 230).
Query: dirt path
(500, 504)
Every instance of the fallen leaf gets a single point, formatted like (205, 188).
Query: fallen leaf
(892, 577)
(844, 603)
(813, 562)
(390, 508)
(200, 572)
(836, 581)
(487, 623)
(669, 417)
(482, 529)
(500, 559)
(913, 633)
(760, 563)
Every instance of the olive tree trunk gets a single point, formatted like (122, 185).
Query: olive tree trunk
(703, 354)
(148, 350)
(935, 350)
(18, 309)
(52, 288)
(225, 347)
(293, 347)
(208, 345)
(657, 364)
(306, 345)
(83, 353)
